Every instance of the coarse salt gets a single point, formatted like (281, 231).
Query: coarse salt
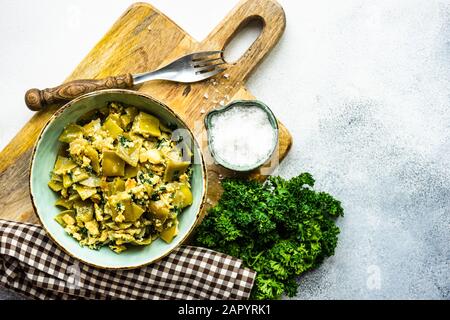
(242, 136)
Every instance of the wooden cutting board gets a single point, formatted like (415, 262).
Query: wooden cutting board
(143, 39)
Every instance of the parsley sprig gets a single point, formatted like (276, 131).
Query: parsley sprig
(280, 228)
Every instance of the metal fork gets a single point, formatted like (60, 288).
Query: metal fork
(193, 67)
(189, 68)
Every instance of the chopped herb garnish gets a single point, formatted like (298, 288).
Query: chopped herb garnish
(154, 196)
(176, 174)
(123, 141)
(160, 143)
(189, 173)
(151, 229)
(177, 210)
(120, 207)
(84, 231)
(138, 201)
(143, 179)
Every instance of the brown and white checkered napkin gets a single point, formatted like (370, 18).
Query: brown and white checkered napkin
(31, 264)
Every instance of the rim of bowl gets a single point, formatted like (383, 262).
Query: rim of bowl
(273, 123)
(57, 114)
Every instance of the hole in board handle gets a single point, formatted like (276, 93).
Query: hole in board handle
(243, 38)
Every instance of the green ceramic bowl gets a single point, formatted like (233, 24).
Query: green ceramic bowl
(236, 103)
(43, 198)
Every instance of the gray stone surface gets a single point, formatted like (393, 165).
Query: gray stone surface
(368, 105)
(364, 87)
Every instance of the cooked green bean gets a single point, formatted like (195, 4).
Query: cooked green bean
(121, 180)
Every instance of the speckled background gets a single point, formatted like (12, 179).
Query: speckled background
(371, 119)
(364, 88)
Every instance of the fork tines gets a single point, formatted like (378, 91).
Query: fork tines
(208, 62)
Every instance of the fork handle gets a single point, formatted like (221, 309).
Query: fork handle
(36, 99)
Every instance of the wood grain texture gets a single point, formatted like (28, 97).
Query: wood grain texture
(144, 39)
(36, 99)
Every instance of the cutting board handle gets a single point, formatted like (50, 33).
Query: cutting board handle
(273, 20)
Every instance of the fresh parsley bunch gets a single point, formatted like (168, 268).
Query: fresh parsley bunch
(280, 229)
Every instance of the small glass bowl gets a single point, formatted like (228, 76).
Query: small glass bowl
(253, 103)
